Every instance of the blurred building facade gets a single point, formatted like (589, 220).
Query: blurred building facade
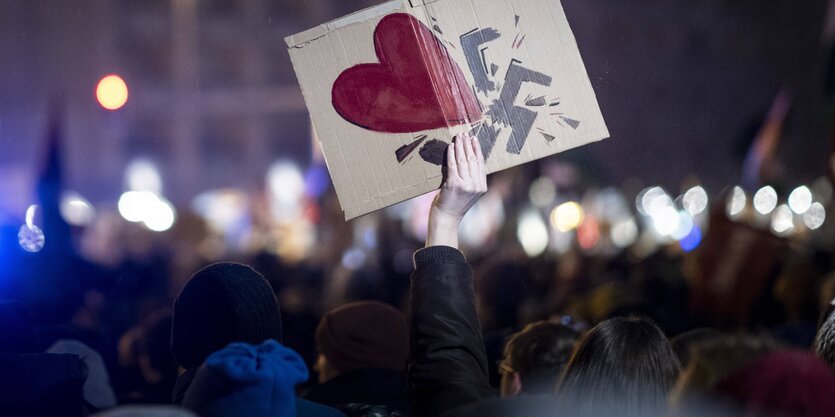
(213, 99)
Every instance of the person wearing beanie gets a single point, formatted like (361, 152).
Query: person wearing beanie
(363, 350)
(221, 304)
(247, 380)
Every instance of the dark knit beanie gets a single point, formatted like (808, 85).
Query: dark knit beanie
(365, 334)
(222, 303)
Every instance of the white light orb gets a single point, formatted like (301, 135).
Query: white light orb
(135, 205)
(765, 200)
(815, 216)
(695, 200)
(782, 220)
(666, 221)
(532, 233)
(160, 217)
(76, 210)
(683, 227)
(736, 202)
(143, 175)
(800, 199)
(654, 201)
(624, 233)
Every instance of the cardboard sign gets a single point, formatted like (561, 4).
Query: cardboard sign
(390, 86)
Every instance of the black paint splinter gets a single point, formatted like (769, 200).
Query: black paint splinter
(405, 150)
(433, 152)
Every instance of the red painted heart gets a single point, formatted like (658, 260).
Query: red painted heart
(415, 87)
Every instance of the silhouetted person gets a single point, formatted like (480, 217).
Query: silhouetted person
(221, 304)
(683, 343)
(535, 357)
(449, 370)
(363, 349)
(624, 365)
(34, 383)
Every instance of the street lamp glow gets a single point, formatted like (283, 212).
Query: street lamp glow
(567, 216)
(112, 92)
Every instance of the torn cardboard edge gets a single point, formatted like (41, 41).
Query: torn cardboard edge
(388, 200)
(300, 39)
(433, 183)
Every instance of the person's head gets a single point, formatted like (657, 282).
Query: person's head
(535, 357)
(684, 342)
(361, 335)
(624, 362)
(711, 360)
(786, 383)
(247, 380)
(222, 303)
(825, 340)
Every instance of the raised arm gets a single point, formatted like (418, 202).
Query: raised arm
(448, 365)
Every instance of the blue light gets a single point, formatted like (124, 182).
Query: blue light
(6, 250)
(316, 181)
(692, 240)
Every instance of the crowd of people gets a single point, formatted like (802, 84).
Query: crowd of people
(460, 337)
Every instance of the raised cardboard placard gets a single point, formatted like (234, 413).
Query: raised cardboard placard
(390, 86)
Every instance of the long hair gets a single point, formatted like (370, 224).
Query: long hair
(623, 366)
(824, 345)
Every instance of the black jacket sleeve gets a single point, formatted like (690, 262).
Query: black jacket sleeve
(448, 364)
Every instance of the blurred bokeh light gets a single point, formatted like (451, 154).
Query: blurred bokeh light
(112, 92)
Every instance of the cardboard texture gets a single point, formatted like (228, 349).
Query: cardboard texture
(390, 86)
